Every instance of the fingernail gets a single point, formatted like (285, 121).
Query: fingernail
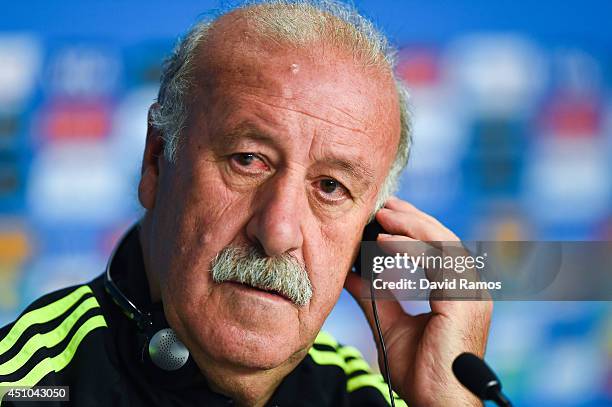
(384, 235)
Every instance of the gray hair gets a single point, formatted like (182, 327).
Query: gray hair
(283, 274)
(297, 22)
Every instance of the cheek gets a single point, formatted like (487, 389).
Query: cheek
(329, 262)
(340, 242)
(331, 259)
(327, 277)
(203, 217)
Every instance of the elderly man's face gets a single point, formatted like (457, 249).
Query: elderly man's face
(284, 150)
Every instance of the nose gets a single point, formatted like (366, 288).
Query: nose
(276, 224)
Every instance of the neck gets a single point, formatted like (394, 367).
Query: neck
(143, 232)
(247, 387)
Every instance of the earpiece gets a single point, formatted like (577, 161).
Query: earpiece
(167, 351)
(370, 233)
(159, 344)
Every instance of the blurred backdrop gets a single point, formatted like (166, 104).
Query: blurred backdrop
(513, 141)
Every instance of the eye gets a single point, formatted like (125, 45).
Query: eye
(248, 162)
(329, 185)
(332, 190)
(245, 158)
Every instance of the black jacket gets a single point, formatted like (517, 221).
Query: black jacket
(78, 337)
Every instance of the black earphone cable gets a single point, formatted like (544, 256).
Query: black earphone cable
(382, 345)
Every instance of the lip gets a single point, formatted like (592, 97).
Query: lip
(266, 295)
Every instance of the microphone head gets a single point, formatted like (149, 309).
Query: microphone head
(476, 375)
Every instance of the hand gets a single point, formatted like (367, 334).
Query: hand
(421, 348)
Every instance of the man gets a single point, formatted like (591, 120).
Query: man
(279, 131)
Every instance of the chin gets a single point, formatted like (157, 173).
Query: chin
(241, 328)
(260, 349)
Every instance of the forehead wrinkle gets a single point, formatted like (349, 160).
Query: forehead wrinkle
(235, 74)
(359, 129)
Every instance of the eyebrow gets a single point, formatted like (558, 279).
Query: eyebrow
(354, 169)
(249, 132)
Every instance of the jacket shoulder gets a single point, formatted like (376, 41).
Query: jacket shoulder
(361, 385)
(38, 346)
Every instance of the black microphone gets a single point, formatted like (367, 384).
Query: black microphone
(478, 377)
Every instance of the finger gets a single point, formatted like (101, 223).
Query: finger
(442, 264)
(392, 244)
(394, 202)
(417, 227)
(400, 205)
(451, 301)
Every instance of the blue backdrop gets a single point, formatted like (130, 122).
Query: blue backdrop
(513, 140)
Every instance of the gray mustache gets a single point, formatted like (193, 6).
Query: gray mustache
(247, 265)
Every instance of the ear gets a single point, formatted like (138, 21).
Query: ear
(153, 154)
